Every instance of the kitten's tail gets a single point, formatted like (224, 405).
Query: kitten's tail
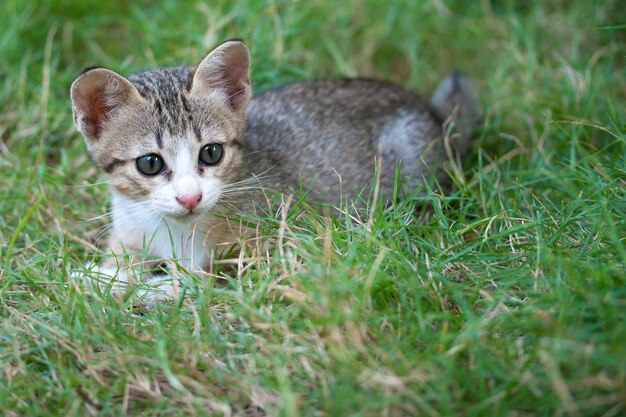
(456, 101)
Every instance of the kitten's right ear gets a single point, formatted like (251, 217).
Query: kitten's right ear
(97, 95)
(225, 71)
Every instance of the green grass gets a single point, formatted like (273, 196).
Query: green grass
(506, 297)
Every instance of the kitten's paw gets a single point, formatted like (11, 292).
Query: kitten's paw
(118, 282)
(105, 278)
(159, 288)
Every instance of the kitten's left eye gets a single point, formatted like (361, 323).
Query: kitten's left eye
(150, 164)
(211, 154)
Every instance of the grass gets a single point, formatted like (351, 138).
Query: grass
(505, 297)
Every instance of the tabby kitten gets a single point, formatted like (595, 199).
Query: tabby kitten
(184, 147)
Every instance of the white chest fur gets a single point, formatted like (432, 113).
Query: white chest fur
(139, 227)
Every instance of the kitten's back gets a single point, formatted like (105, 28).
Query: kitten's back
(330, 133)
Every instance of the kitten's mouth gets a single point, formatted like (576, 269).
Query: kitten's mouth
(189, 215)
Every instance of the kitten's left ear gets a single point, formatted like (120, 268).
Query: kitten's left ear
(98, 95)
(225, 70)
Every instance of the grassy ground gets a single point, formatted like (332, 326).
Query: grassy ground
(506, 297)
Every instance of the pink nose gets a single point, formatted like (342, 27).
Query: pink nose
(189, 201)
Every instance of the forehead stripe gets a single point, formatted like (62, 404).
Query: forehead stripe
(157, 106)
(196, 130)
(187, 109)
(185, 103)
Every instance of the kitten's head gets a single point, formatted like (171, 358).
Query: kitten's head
(169, 137)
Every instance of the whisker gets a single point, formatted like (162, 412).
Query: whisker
(91, 184)
(95, 218)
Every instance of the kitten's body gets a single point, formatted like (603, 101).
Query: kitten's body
(326, 136)
(330, 132)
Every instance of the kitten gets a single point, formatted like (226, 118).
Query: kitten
(184, 147)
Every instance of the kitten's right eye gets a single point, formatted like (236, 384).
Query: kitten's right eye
(150, 164)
